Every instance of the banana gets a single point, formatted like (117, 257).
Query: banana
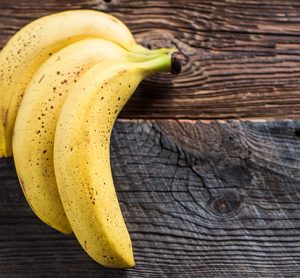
(36, 42)
(33, 138)
(82, 159)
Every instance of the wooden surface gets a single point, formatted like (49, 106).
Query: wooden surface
(200, 200)
(204, 197)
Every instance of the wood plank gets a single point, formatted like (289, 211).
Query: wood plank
(243, 56)
(200, 199)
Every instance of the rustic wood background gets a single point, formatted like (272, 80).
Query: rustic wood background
(206, 165)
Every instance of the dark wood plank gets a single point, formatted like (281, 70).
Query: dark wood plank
(243, 55)
(201, 199)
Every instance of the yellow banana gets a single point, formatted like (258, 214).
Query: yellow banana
(82, 160)
(36, 42)
(34, 130)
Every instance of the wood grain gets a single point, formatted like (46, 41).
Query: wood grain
(200, 199)
(243, 56)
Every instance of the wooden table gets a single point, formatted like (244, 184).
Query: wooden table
(206, 165)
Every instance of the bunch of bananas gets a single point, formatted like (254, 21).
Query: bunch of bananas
(63, 80)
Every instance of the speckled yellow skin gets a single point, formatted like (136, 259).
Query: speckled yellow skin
(35, 125)
(35, 43)
(82, 158)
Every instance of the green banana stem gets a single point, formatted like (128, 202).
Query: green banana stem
(148, 54)
(166, 62)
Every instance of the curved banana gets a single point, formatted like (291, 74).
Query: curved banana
(36, 42)
(82, 159)
(35, 125)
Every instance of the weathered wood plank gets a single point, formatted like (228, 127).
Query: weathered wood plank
(243, 55)
(201, 199)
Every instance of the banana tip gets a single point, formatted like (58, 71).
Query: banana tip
(177, 62)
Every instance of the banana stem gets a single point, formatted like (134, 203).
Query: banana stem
(164, 63)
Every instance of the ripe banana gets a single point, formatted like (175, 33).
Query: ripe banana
(34, 130)
(82, 159)
(36, 42)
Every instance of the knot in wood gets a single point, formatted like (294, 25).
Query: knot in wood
(225, 205)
